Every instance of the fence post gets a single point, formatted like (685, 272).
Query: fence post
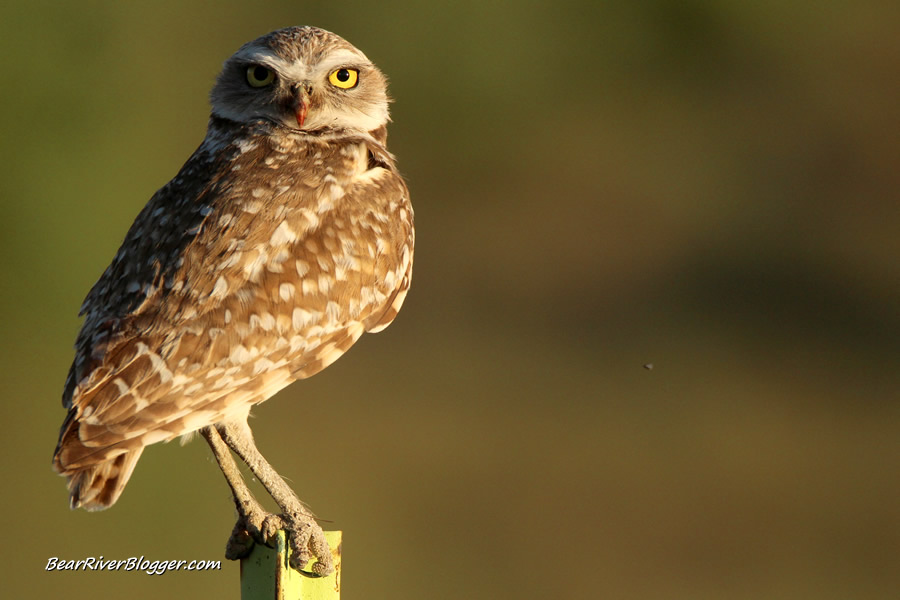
(267, 575)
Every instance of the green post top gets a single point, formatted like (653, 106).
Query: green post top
(267, 575)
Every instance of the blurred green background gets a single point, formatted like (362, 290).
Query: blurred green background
(707, 186)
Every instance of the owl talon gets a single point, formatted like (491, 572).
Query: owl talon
(255, 527)
(307, 541)
(269, 528)
(240, 543)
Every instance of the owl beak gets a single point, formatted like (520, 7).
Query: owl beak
(302, 109)
(301, 103)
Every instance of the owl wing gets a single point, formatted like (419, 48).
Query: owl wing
(141, 273)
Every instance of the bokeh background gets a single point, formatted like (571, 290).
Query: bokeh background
(706, 186)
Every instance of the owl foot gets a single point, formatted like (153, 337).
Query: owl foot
(304, 536)
(255, 527)
(307, 541)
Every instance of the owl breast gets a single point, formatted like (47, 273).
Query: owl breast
(293, 265)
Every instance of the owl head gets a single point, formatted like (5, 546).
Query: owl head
(302, 78)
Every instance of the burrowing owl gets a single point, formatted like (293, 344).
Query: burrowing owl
(285, 237)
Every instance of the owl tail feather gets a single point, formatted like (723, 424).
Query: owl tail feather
(99, 486)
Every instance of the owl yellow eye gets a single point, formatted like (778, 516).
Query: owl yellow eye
(344, 78)
(259, 76)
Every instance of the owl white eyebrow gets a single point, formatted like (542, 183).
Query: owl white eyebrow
(344, 58)
(264, 56)
(255, 54)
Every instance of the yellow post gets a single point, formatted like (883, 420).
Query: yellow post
(267, 575)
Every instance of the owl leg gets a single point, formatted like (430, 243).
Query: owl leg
(254, 522)
(307, 538)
